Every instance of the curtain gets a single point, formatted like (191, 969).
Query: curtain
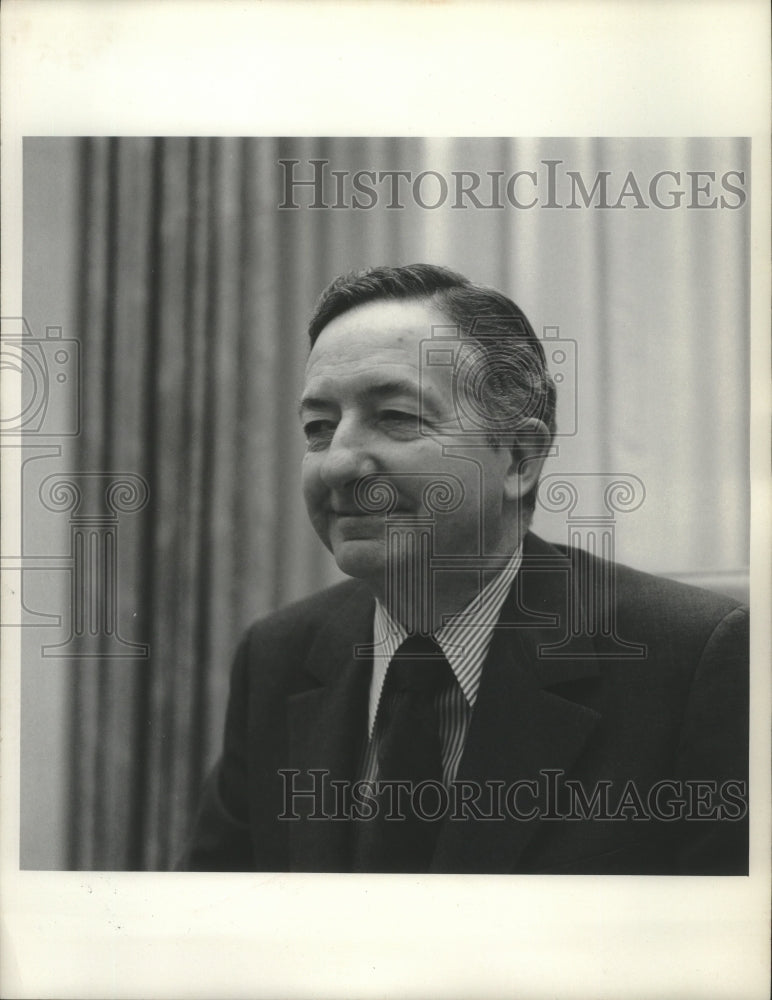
(191, 289)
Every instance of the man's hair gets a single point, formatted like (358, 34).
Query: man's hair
(506, 376)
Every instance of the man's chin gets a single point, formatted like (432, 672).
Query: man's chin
(362, 558)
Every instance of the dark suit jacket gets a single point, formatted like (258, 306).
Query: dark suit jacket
(598, 676)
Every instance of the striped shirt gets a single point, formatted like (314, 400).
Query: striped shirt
(465, 640)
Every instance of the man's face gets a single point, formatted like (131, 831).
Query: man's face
(369, 409)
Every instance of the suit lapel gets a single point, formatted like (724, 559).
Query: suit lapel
(327, 728)
(520, 727)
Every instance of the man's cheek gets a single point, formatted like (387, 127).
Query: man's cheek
(310, 479)
(320, 524)
(313, 495)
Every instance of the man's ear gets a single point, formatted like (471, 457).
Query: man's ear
(527, 452)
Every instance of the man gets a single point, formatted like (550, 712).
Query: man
(476, 700)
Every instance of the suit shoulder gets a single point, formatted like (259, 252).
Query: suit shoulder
(311, 613)
(646, 596)
(660, 590)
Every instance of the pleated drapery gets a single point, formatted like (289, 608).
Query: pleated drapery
(189, 364)
(192, 290)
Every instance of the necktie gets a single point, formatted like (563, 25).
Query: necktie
(401, 838)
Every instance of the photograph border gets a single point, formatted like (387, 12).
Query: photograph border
(189, 68)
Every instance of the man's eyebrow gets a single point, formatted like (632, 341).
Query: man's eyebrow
(312, 403)
(379, 390)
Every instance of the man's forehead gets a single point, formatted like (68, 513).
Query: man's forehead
(385, 321)
(376, 350)
(376, 382)
(373, 378)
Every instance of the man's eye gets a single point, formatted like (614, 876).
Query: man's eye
(318, 432)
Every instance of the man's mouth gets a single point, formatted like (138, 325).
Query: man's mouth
(357, 512)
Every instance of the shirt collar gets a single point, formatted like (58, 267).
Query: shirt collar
(464, 639)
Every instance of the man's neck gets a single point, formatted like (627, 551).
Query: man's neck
(422, 605)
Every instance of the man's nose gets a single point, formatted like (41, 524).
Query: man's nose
(349, 455)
